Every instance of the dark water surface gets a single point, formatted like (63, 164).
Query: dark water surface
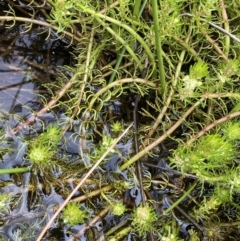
(27, 60)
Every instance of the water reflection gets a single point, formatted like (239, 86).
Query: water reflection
(15, 91)
(27, 60)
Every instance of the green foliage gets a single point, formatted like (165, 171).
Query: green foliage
(100, 149)
(208, 154)
(231, 130)
(198, 71)
(5, 202)
(40, 155)
(228, 70)
(51, 137)
(207, 208)
(62, 14)
(117, 127)
(224, 195)
(72, 214)
(118, 208)
(44, 147)
(123, 49)
(143, 219)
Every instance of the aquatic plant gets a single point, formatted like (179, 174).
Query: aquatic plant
(200, 157)
(143, 219)
(40, 155)
(43, 148)
(5, 202)
(72, 214)
(178, 81)
(117, 207)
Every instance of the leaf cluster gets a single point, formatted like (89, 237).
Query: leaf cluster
(43, 148)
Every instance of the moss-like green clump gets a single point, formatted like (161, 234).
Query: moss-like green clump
(143, 219)
(72, 214)
(44, 147)
(231, 130)
(118, 208)
(40, 155)
(209, 152)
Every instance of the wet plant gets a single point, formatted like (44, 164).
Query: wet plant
(143, 220)
(43, 148)
(174, 175)
(72, 214)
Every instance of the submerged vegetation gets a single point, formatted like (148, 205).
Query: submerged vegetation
(138, 136)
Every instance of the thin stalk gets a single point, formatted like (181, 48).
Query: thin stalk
(121, 234)
(114, 230)
(121, 67)
(142, 7)
(212, 125)
(112, 5)
(208, 95)
(158, 44)
(214, 44)
(41, 23)
(122, 41)
(115, 28)
(136, 15)
(171, 92)
(168, 184)
(161, 138)
(14, 170)
(90, 224)
(136, 143)
(189, 218)
(117, 83)
(180, 199)
(215, 26)
(85, 77)
(120, 24)
(116, 68)
(136, 9)
(188, 48)
(81, 183)
(226, 27)
(92, 194)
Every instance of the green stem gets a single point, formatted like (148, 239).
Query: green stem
(92, 194)
(122, 41)
(226, 27)
(120, 24)
(180, 199)
(158, 44)
(136, 15)
(14, 170)
(171, 92)
(106, 198)
(212, 125)
(188, 48)
(119, 61)
(136, 8)
(121, 234)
